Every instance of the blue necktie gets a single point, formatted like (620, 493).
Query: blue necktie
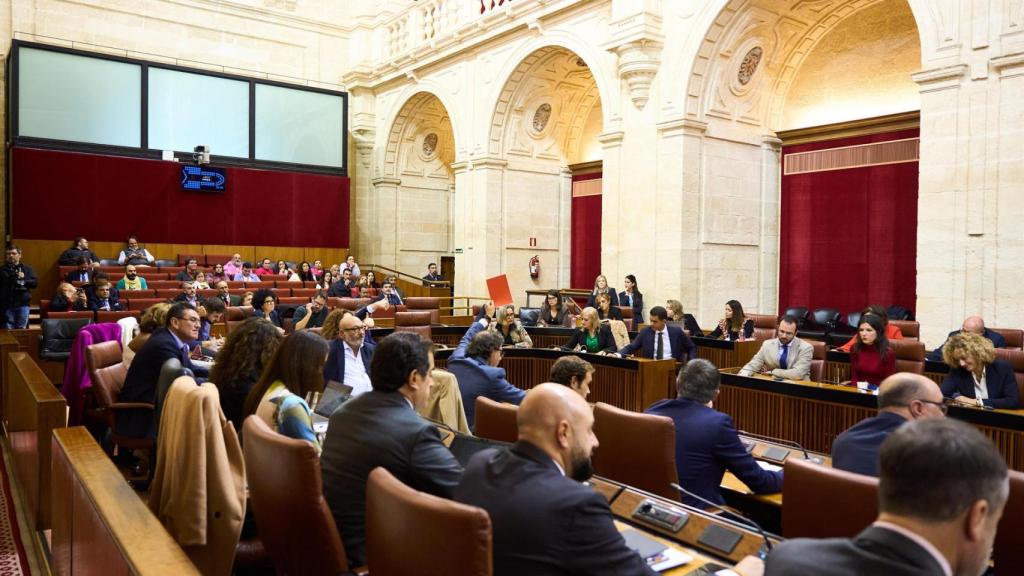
(784, 356)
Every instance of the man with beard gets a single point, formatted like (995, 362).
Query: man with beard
(545, 521)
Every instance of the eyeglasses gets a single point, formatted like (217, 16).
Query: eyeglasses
(355, 329)
(940, 405)
(191, 319)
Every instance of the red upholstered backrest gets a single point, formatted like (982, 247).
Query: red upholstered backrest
(909, 355)
(1016, 359)
(852, 501)
(909, 328)
(1008, 551)
(636, 449)
(1014, 336)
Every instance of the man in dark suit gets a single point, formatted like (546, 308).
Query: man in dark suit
(660, 341)
(84, 272)
(974, 325)
(389, 293)
(188, 294)
(171, 341)
(706, 441)
(79, 249)
(382, 428)
(432, 275)
(17, 280)
(224, 294)
(942, 489)
(544, 521)
(342, 288)
(475, 365)
(102, 297)
(350, 359)
(902, 397)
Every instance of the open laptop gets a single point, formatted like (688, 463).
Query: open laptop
(335, 394)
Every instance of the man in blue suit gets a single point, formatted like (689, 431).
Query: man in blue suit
(706, 441)
(348, 361)
(475, 365)
(901, 397)
(661, 341)
(974, 325)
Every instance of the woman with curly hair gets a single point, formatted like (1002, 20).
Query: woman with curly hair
(245, 353)
(976, 377)
(264, 304)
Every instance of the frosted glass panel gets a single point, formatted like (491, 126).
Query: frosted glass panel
(69, 97)
(300, 127)
(186, 110)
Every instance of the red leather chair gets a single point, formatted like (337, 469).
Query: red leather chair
(425, 303)
(72, 314)
(852, 501)
(107, 383)
(214, 259)
(295, 525)
(1008, 551)
(168, 293)
(163, 285)
(911, 329)
(764, 326)
(1014, 337)
(496, 420)
(909, 355)
(1016, 359)
(627, 316)
(636, 449)
(304, 292)
(184, 258)
(435, 536)
(104, 316)
(352, 304)
(238, 284)
(129, 294)
(237, 313)
(293, 300)
(414, 321)
(817, 360)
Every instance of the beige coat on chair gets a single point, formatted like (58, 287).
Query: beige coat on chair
(198, 492)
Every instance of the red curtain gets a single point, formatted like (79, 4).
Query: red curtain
(585, 259)
(849, 237)
(60, 194)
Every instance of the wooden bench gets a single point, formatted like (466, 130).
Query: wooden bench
(101, 526)
(32, 410)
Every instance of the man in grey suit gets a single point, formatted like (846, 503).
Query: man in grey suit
(785, 357)
(382, 428)
(941, 492)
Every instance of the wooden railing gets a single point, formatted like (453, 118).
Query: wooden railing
(8, 344)
(101, 526)
(32, 411)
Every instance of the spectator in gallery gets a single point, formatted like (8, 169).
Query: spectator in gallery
(350, 264)
(233, 266)
(135, 254)
(79, 249)
(132, 280)
(266, 268)
(246, 275)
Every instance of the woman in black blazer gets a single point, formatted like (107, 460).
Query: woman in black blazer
(553, 313)
(632, 297)
(601, 287)
(685, 321)
(735, 325)
(605, 309)
(975, 371)
(594, 337)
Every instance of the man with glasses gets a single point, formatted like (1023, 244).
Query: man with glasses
(103, 297)
(475, 365)
(901, 397)
(168, 342)
(348, 361)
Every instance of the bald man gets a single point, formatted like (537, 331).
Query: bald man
(974, 325)
(349, 358)
(545, 522)
(902, 397)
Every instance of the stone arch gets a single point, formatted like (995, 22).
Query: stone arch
(407, 121)
(724, 31)
(533, 53)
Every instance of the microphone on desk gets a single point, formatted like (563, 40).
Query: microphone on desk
(763, 552)
(790, 443)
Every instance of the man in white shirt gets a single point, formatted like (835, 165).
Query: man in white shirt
(348, 361)
(785, 357)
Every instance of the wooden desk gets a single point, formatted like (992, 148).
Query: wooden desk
(34, 408)
(727, 354)
(101, 526)
(837, 368)
(813, 414)
(627, 383)
(625, 500)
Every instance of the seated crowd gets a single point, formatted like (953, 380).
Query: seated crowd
(544, 519)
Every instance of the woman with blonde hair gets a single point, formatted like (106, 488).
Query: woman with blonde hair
(510, 328)
(594, 336)
(601, 287)
(976, 377)
(686, 321)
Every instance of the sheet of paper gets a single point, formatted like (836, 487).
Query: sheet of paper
(499, 291)
(670, 558)
(768, 466)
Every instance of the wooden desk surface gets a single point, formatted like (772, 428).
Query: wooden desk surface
(698, 558)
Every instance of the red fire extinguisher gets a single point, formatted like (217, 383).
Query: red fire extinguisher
(534, 267)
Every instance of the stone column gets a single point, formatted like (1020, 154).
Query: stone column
(384, 234)
(612, 223)
(478, 223)
(562, 275)
(771, 190)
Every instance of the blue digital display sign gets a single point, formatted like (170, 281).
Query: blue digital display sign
(202, 178)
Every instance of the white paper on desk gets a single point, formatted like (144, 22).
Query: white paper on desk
(768, 466)
(670, 558)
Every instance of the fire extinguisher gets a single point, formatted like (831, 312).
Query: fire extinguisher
(534, 267)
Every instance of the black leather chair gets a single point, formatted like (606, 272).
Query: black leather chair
(823, 322)
(58, 334)
(529, 316)
(800, 313)
(845, 330)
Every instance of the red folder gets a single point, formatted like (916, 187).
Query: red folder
(499, 291)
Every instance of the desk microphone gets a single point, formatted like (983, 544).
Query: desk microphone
(790, 443)
(763, 552)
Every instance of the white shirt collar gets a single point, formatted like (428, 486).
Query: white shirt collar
(920, 541)
(559, 466)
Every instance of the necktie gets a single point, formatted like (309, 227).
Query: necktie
(184, 354)
(784, 356)
(659, 351)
